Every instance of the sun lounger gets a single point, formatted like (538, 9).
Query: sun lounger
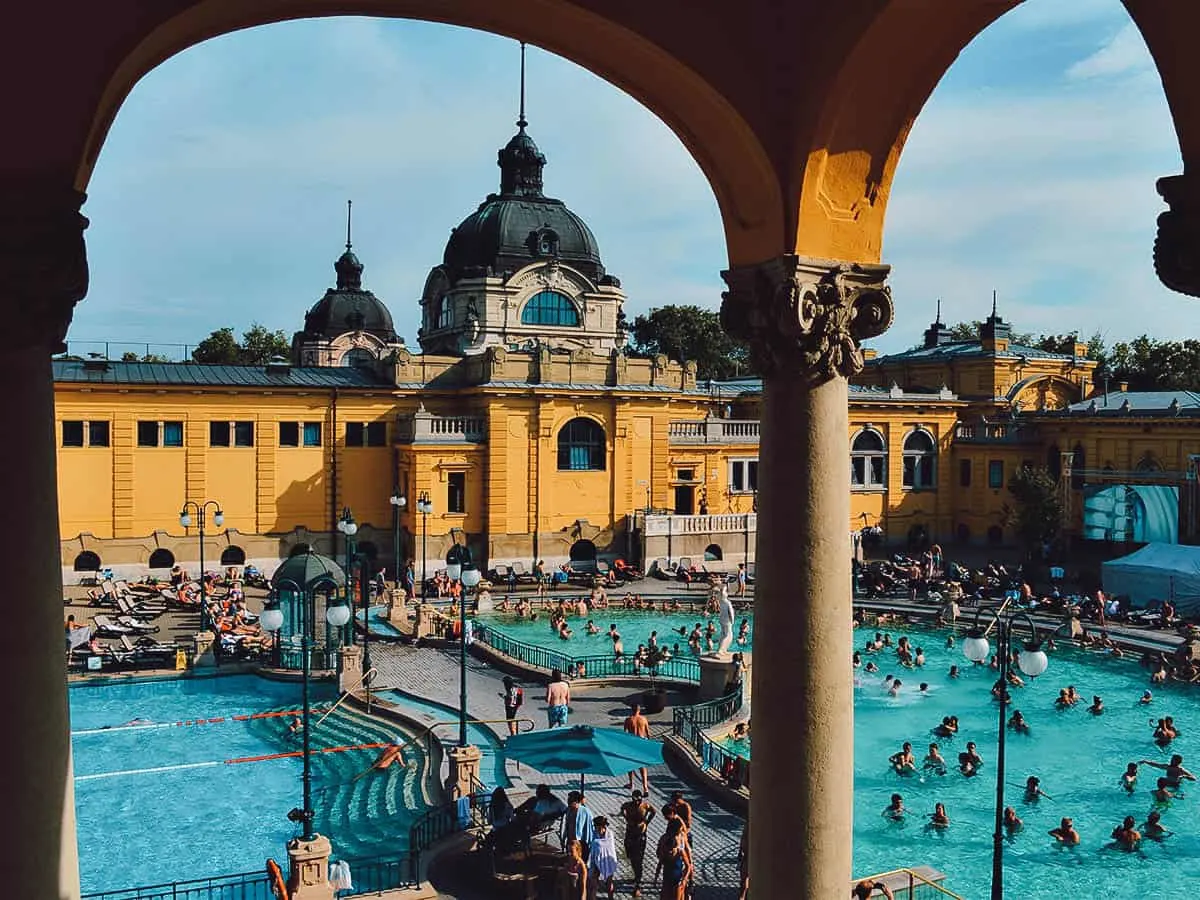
(518, 569)
(139, 626)
(127, 607)
(146, 646)
(108, 627)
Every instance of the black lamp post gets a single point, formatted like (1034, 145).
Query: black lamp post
(398, 502)
(460, 567)
(185, 519)
(1032, 661)
(424, 507)
(272, 620)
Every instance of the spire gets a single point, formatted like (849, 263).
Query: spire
(520, 161)
(521, 123)
(938, 319)
(995, 327)
(936, 333)
(349, 269)
(994, 303)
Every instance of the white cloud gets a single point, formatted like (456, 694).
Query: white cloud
(1125, 53)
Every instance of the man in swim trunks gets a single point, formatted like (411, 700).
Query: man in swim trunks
(1065, 833)
(558, 700)
(1174, 769)
(392, 753)
(637, 814)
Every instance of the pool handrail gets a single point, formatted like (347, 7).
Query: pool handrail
(429, 728)
(346, 693)
(915, 880)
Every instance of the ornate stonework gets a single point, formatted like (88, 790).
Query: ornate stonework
(1177, 244)
(43, 263)
(807, 316)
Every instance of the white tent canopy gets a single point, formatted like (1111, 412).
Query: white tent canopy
(1156, 572)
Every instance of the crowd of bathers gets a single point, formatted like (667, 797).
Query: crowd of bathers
(1125, 835)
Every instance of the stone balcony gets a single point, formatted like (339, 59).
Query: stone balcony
(723, 523)
(713, 431)
(984, 432)
(423, 427)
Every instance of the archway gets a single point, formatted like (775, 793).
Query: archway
(712, 553)
(233, 555)
(162, 558)
(583, 551)
(87, 561)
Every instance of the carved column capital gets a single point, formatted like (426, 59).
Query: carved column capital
(43, 263)
(807, 316)
(1177, 243)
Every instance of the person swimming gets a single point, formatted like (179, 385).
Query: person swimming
(1033, 790)
(1065, 833)
(903, 761)
(969, 760)
(1012, 824)
(895, 809)
(934, 761)
(1017, 722)
(1126, 834)
(1097, 707)
(1129, 779)
(1153, 828)
(939, 818)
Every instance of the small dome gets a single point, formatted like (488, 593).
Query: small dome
(348, 307)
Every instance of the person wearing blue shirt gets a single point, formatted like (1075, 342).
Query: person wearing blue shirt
(577, 823)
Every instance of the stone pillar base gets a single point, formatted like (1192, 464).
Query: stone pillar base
(350, 671)
(308, 871)
(205, 654)
(424, 625)
(464, 769)
(716, 672)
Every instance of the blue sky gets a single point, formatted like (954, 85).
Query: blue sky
(219, 197)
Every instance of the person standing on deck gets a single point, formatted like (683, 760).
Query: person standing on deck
(639, 725)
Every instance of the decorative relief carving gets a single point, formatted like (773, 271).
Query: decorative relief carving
(43, 263)
(807, 316)
(1177, 243)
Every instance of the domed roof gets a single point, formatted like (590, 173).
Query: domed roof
(520, 225)
(348, 307)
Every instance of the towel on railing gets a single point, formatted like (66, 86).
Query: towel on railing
(462, 809)
(339, 876)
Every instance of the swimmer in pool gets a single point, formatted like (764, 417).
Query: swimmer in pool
(969, 760)
(904, 762)
(1017, 722)
(938, 818)
(1033, 790)
(1153, 828)
(1012, 824)
(934, 761)
(1065, 833)
(1129, 779)
(895, 810)
(1097, 707)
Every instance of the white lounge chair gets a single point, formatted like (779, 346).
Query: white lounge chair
(108, 627)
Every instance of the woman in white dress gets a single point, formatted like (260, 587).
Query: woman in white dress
(602, 861)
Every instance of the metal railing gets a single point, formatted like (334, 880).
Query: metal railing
(919, 887)
(677, 668)
(450, 818)
(370, 673)
(688, 724)
(243, 886)
(373, 874)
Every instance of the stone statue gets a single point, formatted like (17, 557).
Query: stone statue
(725, 610)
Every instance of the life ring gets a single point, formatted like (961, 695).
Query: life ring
(278, 886)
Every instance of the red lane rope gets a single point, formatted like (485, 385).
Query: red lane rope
(293, 753)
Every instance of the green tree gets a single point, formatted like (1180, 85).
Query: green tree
(257, 347)
(130, 356)
(689, 333)
(1036, 510)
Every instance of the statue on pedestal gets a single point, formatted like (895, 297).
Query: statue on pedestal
(725, 611)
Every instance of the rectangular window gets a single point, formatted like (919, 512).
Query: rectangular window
(312, 434)
(964, 473)
(97, 434)
(289, 434)
(172, 434)
(243, 434)
(377, 434)
(354, 434)
(743, 476)
(218, 434)
(687, 474)
(995, 473)
(456, 492)
(147, 434)
(72, 434)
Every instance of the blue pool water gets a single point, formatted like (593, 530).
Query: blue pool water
(1078, 757)
(182, 812)
(634, 626)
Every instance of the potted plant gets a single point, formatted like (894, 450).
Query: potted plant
(654, 698)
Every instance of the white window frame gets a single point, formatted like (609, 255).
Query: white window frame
(868, 484)
(921, 459)
(743, 464)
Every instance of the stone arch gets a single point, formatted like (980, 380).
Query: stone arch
(233, 555)
(713, 553)
(162, 558)
(724, 144)
(582, 551)
(87, 561)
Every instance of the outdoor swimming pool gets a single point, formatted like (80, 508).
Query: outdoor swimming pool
(1078, 757)
(634, 626)
(157, 804)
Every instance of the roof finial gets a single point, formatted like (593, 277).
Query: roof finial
(938, 318)
(521, 123)
(349, 206)
(993, 303)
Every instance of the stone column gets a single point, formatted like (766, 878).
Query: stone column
(464, 770)
(308, 875)
(43, 274)
(803, 319)
(350, 672)
(1177, 244)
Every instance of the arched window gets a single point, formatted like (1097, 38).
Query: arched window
(87, 561)
(583, 551)
(868, 465)
(712, 553)
(581, 446)
(162, 558)
(358, 358)
(233, 555)
(444, 313)
(920, 461)
(1148, 463)
(550, 308)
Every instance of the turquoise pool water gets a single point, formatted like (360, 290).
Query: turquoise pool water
(634, 626)
(180, 811)
(1078, 757)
